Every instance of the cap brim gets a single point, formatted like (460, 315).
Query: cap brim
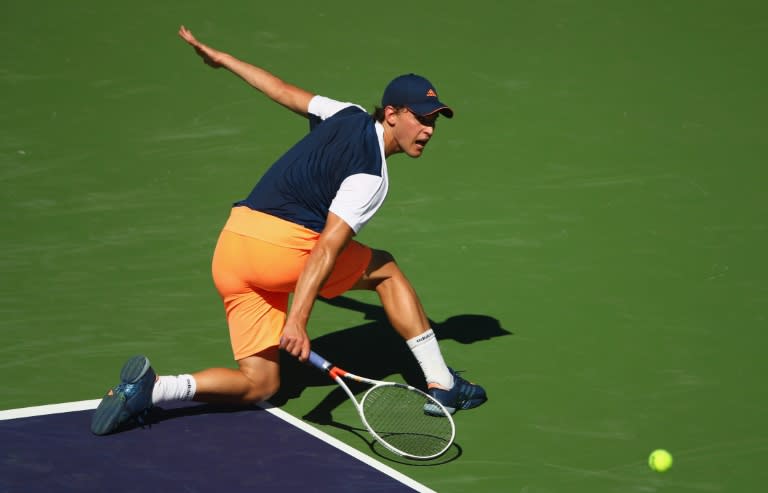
(424, 109)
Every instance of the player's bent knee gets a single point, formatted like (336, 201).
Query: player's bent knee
(262, 374)
(379, 259)
(270, 390)
(382, 266)
(261, 390)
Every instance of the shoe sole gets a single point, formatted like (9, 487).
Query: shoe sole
(107, 415)
(434, 410)
(134, 369)
(106, 419)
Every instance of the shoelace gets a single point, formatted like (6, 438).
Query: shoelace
(466, 390)
(129, 390)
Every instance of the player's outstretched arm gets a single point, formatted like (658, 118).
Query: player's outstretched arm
(292, 97)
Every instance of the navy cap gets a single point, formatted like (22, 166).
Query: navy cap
(415, 93)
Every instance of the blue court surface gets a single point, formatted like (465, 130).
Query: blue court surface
(213, 449)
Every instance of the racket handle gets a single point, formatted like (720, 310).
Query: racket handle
(319, 362)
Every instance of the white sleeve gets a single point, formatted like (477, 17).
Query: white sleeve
(358, 199)
(324, 108)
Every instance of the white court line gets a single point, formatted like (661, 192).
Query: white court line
(67, 407)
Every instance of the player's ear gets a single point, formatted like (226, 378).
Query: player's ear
(390, 114)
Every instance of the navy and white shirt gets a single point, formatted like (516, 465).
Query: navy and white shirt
(339, 167)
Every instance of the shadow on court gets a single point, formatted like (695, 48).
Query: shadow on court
(372, 350)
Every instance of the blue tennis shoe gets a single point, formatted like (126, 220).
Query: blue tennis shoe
(463, 395)
(130, 400)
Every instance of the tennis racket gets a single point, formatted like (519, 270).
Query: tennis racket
(405, 420)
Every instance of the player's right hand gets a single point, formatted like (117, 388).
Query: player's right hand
(210, 56)
(295, 341)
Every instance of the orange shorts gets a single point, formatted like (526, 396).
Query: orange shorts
(256, 264)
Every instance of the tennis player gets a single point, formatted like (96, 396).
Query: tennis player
(294, 234)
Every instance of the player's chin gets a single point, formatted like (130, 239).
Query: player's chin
(416, 150)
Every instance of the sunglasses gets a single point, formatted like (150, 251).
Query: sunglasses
(426, 120)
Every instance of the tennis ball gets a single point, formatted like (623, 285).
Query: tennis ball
(660, 460)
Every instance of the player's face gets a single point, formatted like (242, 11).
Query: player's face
(412, 132)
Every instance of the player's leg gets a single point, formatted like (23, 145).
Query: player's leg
(398, 297)
(407, 315)
(256, 379)
(254, 326)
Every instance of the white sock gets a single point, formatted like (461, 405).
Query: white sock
(427, 352)
(174, 388)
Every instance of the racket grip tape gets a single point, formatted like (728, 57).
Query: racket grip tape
(319, 362)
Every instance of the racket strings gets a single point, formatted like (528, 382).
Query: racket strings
(397, 416)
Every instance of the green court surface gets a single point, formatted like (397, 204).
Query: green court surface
(598, 204)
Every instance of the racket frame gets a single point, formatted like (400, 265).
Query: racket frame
(338, 375)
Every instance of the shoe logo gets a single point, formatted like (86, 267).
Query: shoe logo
(431, 93)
